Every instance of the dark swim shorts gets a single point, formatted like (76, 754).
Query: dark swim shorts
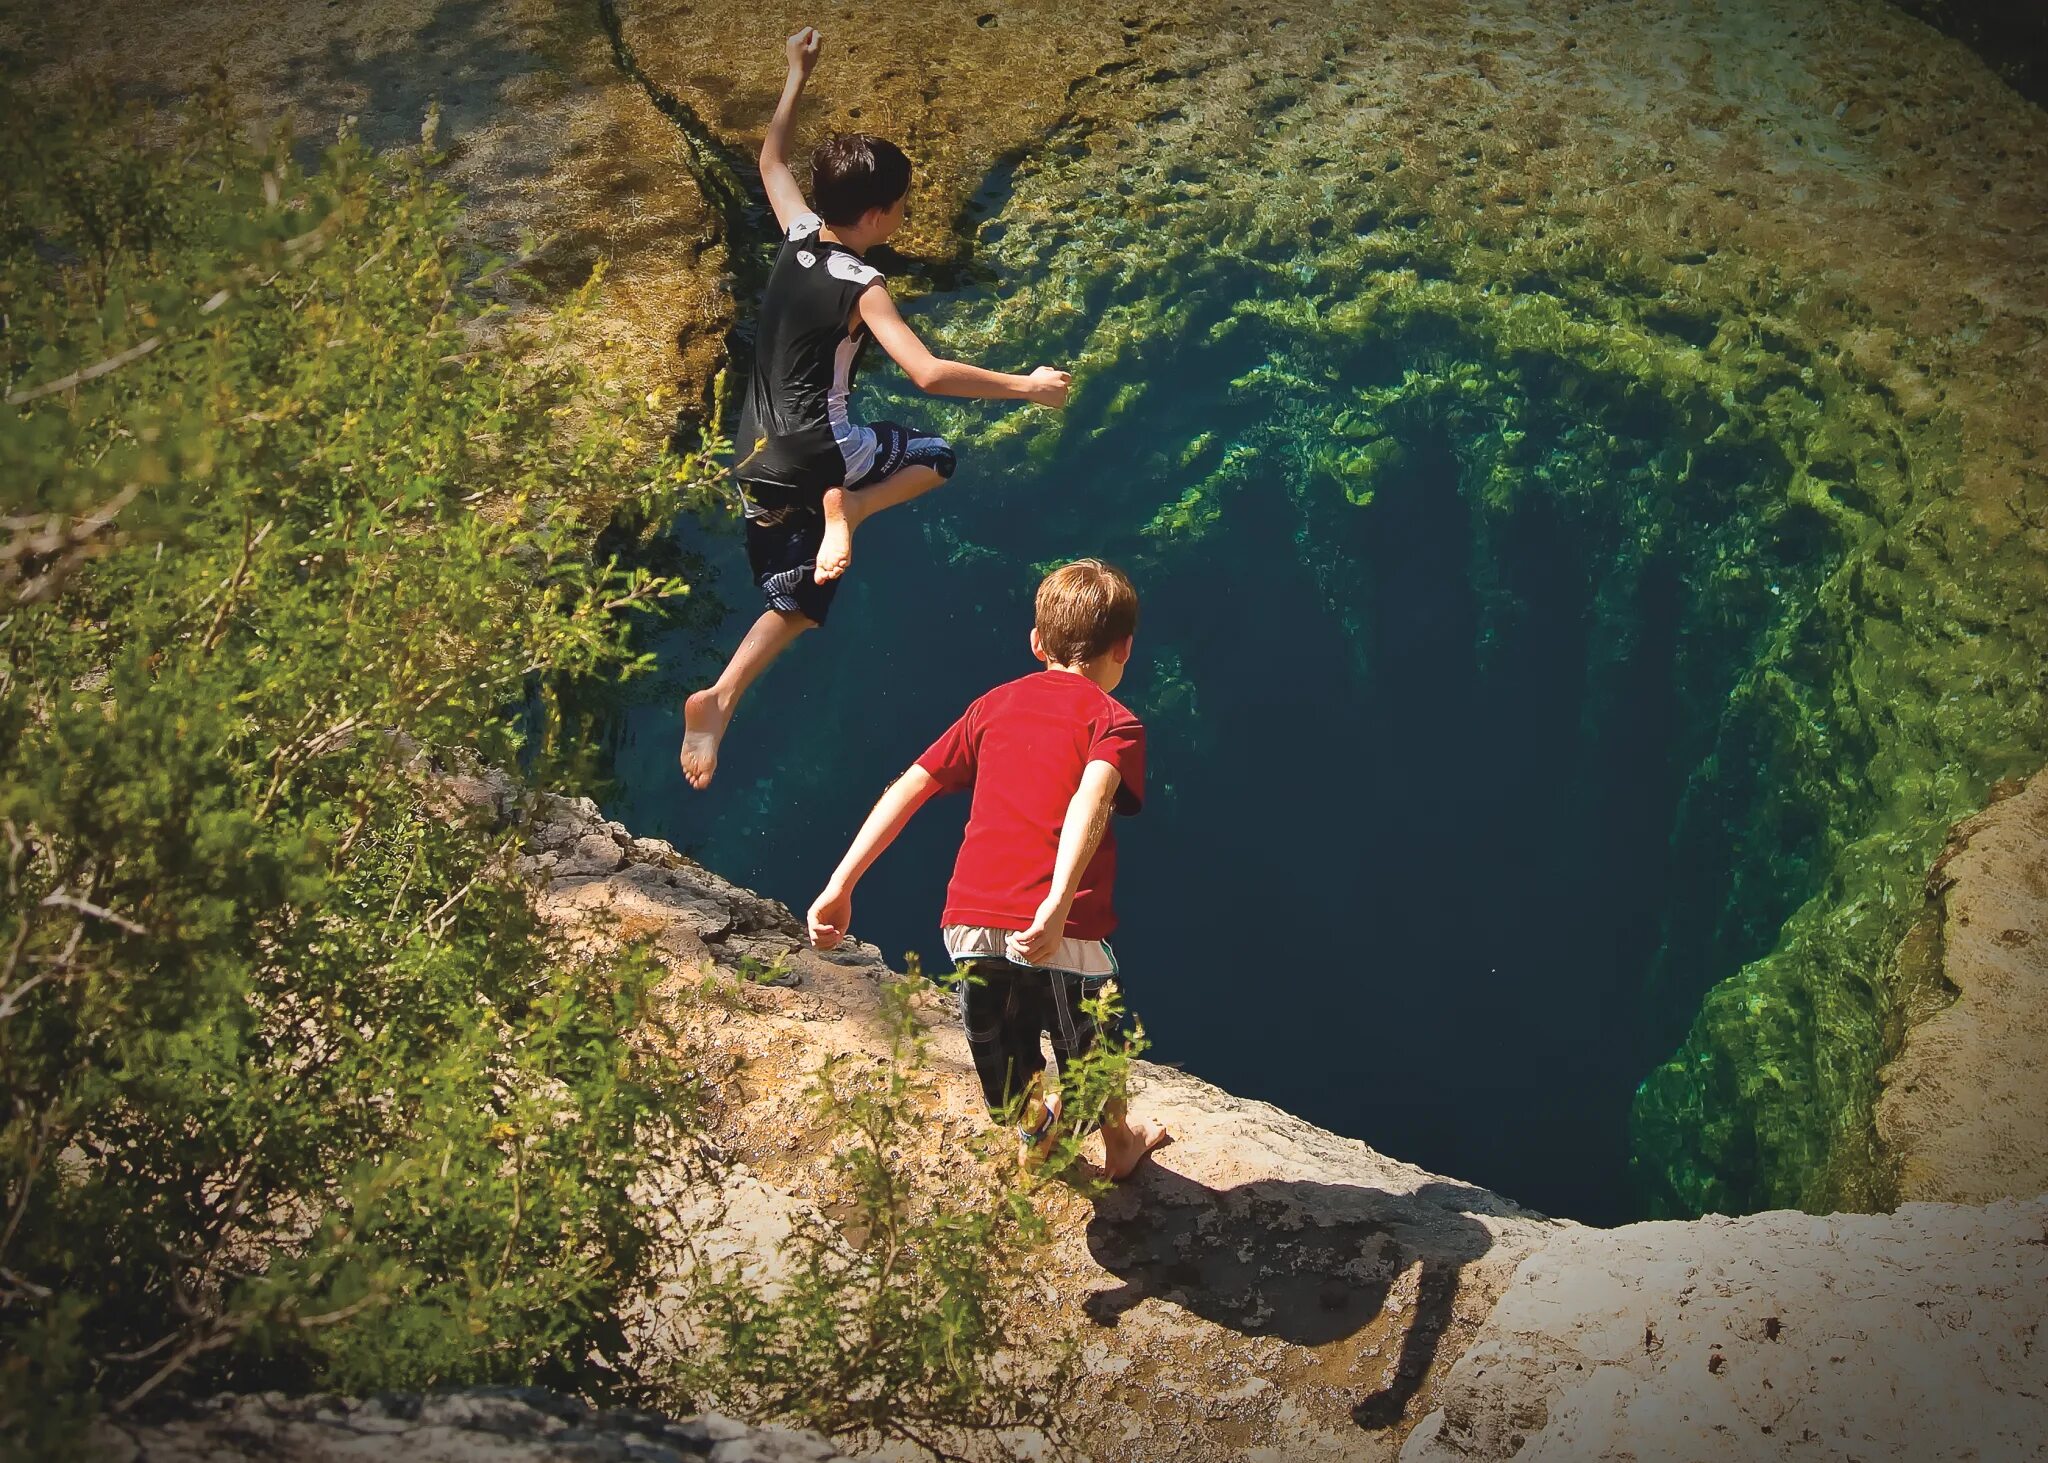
(783, 537)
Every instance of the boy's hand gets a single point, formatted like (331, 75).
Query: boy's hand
(829, 918)
(802, 50)
(1048, 386)
(1035, 946)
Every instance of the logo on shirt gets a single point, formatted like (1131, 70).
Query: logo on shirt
(846, 267)
(806, 258)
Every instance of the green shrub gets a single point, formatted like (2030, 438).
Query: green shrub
(910, 1297)
(296, 1091)
(299, 1093)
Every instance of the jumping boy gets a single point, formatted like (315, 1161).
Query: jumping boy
(809, 473)
(1028, 912)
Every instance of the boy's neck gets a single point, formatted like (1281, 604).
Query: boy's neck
(851, 237)
(1101, 670)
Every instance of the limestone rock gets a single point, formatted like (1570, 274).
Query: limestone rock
(593, 853)
(1965, 1105)
(478, 1425)
(1905, 1336)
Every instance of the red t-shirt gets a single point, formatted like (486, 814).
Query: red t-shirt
(1022, 748)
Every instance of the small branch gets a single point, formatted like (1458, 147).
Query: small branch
(25, 1286)
(61, 900)
(329, 1318)
(197, 1346)
(84, 374)
(250, 544)
(19, 994)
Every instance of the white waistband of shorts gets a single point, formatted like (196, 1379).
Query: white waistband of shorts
(1077, 957)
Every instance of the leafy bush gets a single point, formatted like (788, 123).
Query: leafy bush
(296, 1092)
(913, 1303)
(299, 1093)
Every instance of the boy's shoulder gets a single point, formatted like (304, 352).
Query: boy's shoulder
(1038, 688)
(802, 246)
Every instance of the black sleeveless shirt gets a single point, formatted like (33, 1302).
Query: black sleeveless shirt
(796, 435)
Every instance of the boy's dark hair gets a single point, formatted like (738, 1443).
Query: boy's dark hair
(1083, 609)
(852, 172)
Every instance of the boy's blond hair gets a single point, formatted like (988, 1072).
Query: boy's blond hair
(1083, 609)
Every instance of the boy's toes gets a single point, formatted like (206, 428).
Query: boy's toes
(832, 563)
(700, 759)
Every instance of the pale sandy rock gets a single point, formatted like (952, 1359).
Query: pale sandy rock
(634, 901)
(593, 853)
(1908, 1336)
(1965, 1105)
(1266, 1289)
(478, 1425)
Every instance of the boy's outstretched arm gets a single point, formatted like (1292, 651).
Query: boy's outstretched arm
(1047, 385)
(783, 194)
(1087, 815)
(832, 911)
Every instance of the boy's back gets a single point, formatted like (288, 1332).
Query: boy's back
(795, 429)
(1022, 748)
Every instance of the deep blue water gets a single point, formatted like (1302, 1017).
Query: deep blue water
(1397, 873)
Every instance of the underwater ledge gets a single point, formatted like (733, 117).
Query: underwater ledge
(1854, 658)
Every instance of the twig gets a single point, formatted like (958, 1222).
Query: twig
(198, 1346)
(61, 900)
(27, 1287)
(112, 363)
(88, 373)
(250, 544)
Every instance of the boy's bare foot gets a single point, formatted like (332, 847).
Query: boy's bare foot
(704, 721)
(842, 517)
(1125, 1145)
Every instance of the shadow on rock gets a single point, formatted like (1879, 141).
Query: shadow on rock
(1310, 1263)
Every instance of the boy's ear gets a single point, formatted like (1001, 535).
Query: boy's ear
(1038, 646)
(1121, 650)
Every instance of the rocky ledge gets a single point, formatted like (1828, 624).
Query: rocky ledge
(1267, 1290)
(1965, 1105)
(481, 1425)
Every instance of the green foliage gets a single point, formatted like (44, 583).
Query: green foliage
(903, 1296)
(296, 1091)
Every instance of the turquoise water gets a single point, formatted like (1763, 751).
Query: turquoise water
(1442, 617)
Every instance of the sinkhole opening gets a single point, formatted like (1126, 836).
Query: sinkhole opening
(1459, 801)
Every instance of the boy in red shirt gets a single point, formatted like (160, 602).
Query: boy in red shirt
(1028, 913)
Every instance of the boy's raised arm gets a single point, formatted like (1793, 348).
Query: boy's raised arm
(832, 911)
(784, 196)
(1047, 385)
(1087, 815)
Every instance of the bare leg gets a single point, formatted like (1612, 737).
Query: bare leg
(847, 508)
(707, 714)
(1125, 1143)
